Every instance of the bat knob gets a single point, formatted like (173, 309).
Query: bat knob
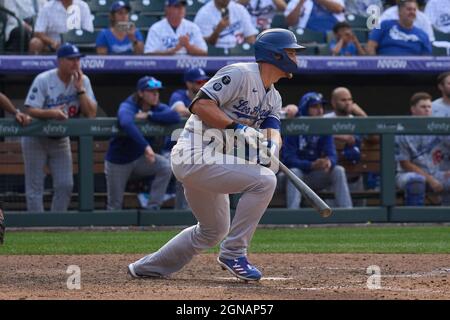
(325, 213)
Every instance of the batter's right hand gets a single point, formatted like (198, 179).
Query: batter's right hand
(149, 154)
(250, 135)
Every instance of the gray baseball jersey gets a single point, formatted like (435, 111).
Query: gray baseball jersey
(239, 93)
(48, 91)
(440, 108)
(430, 153)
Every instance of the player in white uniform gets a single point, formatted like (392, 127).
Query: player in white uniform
(59, 94)
(263, 11)
(55, 18)
(241, 98)
(174, 34)
(439, 14)
(423, 160)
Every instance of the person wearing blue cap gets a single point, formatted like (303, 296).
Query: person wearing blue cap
(58, 94)
(313, 159)
(174, 34)
(132, 154)
(194, 78)
(121, 37)
(58, 17)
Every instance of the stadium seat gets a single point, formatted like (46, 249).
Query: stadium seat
(279, 21)
(356, 21)
(440, 51)
(311, 50)
(362, 35)
(244, 49)
(102, 6)
(309, 36)
(149, 7)
(194, 5)
(441, 36)
(82, 39)
(100, 21)
(143, 21)
(324, 50)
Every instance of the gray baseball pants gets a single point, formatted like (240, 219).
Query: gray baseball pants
(207, 188)
(117, 176)
(318, 180)
(37, 153)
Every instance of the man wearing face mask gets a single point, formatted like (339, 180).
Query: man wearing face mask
(57, 94)
(133, 155)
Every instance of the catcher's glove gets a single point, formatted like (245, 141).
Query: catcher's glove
(2, 224)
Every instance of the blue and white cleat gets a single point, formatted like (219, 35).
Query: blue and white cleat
(241, 268)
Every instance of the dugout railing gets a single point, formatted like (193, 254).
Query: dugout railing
(86, 130)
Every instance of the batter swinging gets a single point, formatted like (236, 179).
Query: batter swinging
(241, 97)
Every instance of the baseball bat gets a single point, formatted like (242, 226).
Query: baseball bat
(316, 202)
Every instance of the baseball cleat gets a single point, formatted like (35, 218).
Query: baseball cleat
(240, 268)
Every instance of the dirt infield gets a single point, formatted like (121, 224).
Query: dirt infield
(286, 276)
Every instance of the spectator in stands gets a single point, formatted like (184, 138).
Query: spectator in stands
(8, 106)
(359, 7)
(313, 158)
(441, 106)
(345, 42)
(60, 93)
(263, 11)
(421, 21)
(175, 34)
(225, 24)
(58, 17)
(423, 160)
(438, 12)
(26, 11)
(344, 106)
(132, 155)
(400, 37)
(316, 15)
(121, 37)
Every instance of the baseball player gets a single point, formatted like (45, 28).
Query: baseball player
(60, 93)
(242, 99)
(423, 160)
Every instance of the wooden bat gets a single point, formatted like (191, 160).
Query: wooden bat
(316, 202)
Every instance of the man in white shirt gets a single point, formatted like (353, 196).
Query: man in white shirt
(441, 106)
(438, 11)
(174, 34)
(225, 24)
(58, 17)
(422, 22)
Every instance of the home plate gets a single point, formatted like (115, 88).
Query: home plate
(263, 278)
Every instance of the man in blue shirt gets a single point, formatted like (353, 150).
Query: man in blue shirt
(132, 154)
(313, 159)
(400, 37)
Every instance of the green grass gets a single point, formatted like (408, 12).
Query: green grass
(296, 240)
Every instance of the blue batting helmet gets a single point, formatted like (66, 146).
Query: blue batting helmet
(308, 100)
(270, 45)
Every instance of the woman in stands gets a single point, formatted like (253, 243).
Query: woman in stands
(122, 37)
